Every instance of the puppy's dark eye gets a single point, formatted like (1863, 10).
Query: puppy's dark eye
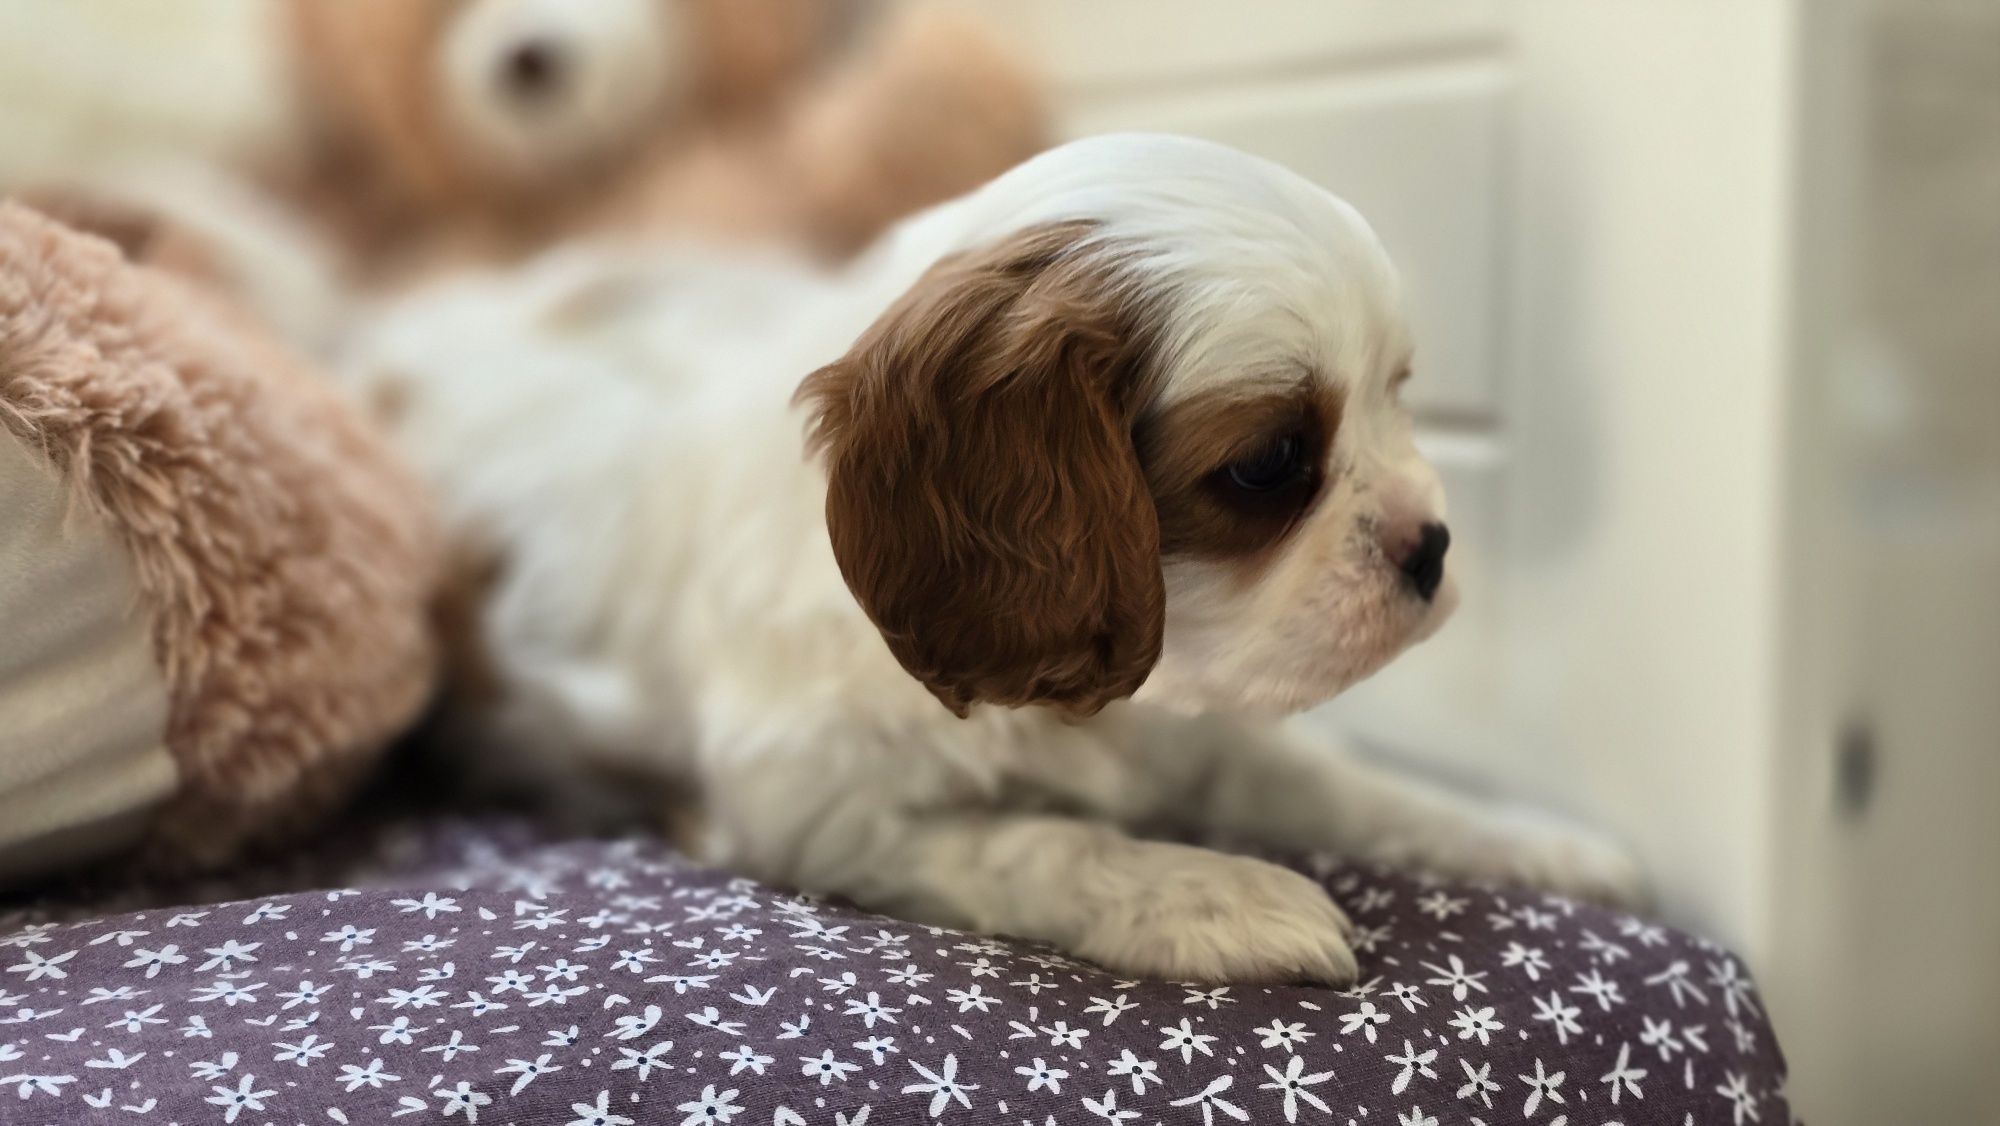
(1278, 463)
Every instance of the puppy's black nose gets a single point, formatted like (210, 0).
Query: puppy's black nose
(1424, 564)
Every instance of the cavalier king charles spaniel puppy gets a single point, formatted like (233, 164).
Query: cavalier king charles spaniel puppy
(970, 581)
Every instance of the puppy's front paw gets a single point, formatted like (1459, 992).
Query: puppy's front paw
(1568, 860)
(1210, 917)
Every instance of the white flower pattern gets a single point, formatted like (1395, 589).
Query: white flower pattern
(581, 982)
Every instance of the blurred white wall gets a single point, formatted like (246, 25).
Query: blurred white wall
(1646, 376)
(91, 87)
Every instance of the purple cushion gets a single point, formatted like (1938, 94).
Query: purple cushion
(601, 983)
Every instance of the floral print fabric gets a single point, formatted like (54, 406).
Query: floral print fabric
(600, 983)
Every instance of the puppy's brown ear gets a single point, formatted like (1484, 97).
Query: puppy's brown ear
(984, 500)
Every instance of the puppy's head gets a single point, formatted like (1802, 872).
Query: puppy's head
(1143, 428)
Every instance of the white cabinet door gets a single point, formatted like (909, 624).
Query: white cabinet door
(1418, 152)
(1087, 45)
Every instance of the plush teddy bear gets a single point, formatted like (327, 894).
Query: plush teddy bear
(441, 134)
(214, 576)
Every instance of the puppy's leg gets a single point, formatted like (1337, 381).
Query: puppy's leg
(1274, 785)
(1136, 907)
(901, 836)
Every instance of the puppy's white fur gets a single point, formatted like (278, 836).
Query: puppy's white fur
(619, 426)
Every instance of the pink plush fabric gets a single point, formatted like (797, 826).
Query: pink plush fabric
(284, 557)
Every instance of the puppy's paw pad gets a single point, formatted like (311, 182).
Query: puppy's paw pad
(1227, 919)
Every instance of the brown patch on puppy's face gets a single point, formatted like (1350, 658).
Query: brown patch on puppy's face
(1234, 471)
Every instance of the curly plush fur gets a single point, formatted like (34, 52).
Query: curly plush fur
(283, 555)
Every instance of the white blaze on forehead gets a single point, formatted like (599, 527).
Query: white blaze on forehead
(1254, 273)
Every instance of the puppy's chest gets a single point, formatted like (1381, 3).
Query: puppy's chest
(1037, 762)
